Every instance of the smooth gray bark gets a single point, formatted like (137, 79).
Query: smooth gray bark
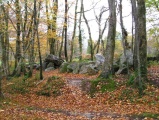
(109, 52)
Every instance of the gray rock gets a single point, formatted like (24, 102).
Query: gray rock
(122, 63)
(99, 59)
(63, 67)
(129, 56)
(55, 60)
(73, 67)
(38, 67)
(50, 65)
(50, 69)
(88, 69)
(44, 65)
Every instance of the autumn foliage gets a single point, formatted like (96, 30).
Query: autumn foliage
(56, 97)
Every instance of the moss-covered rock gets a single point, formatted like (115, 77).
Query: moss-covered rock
(63, 67)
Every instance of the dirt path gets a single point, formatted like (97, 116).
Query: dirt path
(75, 104)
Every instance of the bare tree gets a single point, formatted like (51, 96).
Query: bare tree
(74, 31)
(109, 52)
(34, 31)
(52, 25)
(1, 94)
(53, 28)
(62, 40)
(134, 14)
(124, 35)
(66, 15)
(101, 31)
(17, 68)
(80, 31)
(89, 33)
(142, 45)
(5, 40)
(38, 39)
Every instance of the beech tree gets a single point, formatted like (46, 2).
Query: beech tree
(65, 28)
(109, 52)
(37, 16)
(80, 31)
(1, 94)
(89, 33)
(53, 36)
(17, 68)
(74, 31)
(142, 45)
(1, 48)
(124, 35)
(101, 31)
(4, 39)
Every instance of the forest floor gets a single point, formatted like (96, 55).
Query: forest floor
(69, 100)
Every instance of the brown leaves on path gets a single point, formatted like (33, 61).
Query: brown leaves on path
(74, 103)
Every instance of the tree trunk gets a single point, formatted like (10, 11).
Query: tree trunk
(62, 40)
(34, 31)
(17, 68)
(109, 52)
(101, 31)
(124, 36)
(65, 45)
(89, 32)
(24, 42)
(48, 26)
(53, 28)
(1, 94)
(80, 33)
(142, 44)
(134, 14)
(6, 13)
(39, 51)
(74, 32)
(1, 45)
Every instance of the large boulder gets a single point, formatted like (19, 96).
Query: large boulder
(63, 67)
(99, 61)
(44, 65)
(52, 61)
(50, 65)
(89, 69)
(73, 67)
(99, 58)
(122, 63)
(49, 69)
(82, 68)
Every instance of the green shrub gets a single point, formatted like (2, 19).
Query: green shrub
(53, 78)
(147, 115)
(63, 67)
(102, 85)
(17, 86)
(134, 83)
(37, 76)
(52, 87)
(150, 115)
(153, 63)
(128, 94)
(130, 81)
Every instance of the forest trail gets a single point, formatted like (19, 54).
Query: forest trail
(75, 104)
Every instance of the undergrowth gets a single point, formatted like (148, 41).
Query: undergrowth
(17, 85)
(21, 84)
(147, 115)
(134, 82)
(52, 87)
(102, 85)
(153, 63)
